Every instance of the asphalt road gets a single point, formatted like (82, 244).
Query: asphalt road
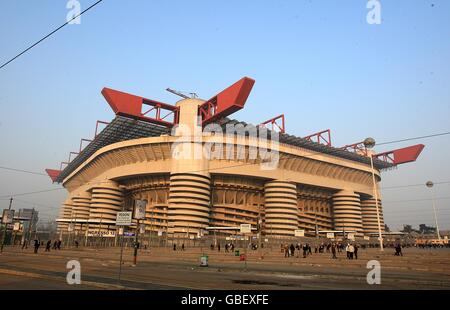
(100, 268)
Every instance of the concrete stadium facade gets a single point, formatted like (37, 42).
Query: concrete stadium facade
(309, 190)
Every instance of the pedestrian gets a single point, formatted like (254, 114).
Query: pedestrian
(37, 244)
(48, 246)
(333, 251)
(25, 244)
(174, 247)
(226, 247)
(355, 253)
(309, 250)
(55, 245)
(59, 244)
(351, 249)
(182, 247)
(218, 247)
(76, 244)
(305, 250)
(292, 249)
(347, 250)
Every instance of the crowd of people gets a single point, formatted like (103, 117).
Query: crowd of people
(333, 248)
(48, 246)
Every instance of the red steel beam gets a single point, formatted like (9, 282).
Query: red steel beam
(273, 122)
(323, 137)
(358, 148)
(132, 106)
(226, 102)
(81, 144)
(53, 174)
(401, 156)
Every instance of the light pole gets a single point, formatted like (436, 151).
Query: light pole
(369, 143)
(430, 185)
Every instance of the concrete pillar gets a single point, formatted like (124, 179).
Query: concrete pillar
(369, 216)
(80, 210)
(107, 200)
(281, 211)
(65, 213)
(190, 182)
(347, 212)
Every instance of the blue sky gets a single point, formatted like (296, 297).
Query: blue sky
(319, 62)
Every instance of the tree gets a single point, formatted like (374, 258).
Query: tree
(407, 229)
(386, 228)
(424, 229)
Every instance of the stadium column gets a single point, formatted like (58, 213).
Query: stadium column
(369, 216)
(107, 200)
(281, 210)
(65, 214)
(190, 182)
(347, 212)
(81, 206)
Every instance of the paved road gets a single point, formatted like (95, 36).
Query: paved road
(21, 270)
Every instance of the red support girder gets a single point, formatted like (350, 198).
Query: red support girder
(132, 106)
(401, 156)
(226, 102)
(53, 174)
(96, 127)
(275, 125)
(358, 148)
(81, 144)
(323, 137)
(70, 156)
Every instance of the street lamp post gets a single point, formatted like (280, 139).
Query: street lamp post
(430, 185)
(369, 143)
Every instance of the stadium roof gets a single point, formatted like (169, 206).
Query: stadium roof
(124, 128)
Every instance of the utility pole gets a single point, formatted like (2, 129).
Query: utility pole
(6, 226)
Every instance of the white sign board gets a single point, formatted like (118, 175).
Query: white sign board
(142, 229)
(70, 228)
(330, 235)
(8, 216)
(120, 232)
(102, 233)
(139, 209)
(367, 238)
(351, 236)
(246, 228)
(160, 233)
(299, 233)
(16, 226)
(123, 218)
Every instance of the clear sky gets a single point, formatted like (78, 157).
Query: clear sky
(319, 62)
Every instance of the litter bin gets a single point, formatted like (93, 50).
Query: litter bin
(236, 253)
(204, 261)
(242, 257)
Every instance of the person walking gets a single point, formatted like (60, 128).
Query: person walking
(305, 250)
(37, 244)
(174, 247)
(182, 247)
(55, 245)
(347, 250)
(351, 250)
(59, 244)
(48, 246)
(292, 249)
(355, 252)
(218, 247)
(333, 251)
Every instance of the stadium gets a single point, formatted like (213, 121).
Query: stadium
(254, 174)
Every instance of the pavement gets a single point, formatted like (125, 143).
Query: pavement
(165, 269)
